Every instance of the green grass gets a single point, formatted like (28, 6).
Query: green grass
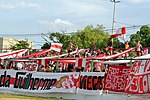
(20, 97)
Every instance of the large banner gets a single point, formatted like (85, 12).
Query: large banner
(116, 78)
(25, 81)
(138, 81)
(42, 82)
(90, 83)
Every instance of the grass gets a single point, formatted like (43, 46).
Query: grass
(21, 97)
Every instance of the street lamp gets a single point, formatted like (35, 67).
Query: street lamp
(114, 1)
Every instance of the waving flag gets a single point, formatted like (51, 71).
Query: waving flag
(119, 32)
(56, 46)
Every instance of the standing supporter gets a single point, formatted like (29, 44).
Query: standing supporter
(60, 67)
(41, 68)
(87, 53)
(110, 46)
(126, 48)
(139, 49)
(1, 66)
(71, 47)
(98, 52)
(88, 68)
(93, 53)
(19, 66)
(49, 68)
(10, 66)
(70, 68)
(97, 68)
(126, 45)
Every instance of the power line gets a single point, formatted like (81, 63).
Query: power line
(41, 34)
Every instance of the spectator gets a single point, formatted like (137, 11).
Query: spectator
(110, 46)
(1, 66)
(88, 68)
(42, 68)
(19, 66)
(126, 48)
(139, 49)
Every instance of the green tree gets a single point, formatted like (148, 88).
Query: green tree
(117, 44)
(143, 35)
(133, 39)
(21, 44)
(90, 37)
(46, 46)
(58, 38)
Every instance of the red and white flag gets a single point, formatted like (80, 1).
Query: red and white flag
(121, 30)
(80, 62)
(56, 46)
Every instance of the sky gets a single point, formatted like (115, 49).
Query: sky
(42, 16)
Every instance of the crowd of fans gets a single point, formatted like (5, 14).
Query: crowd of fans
(54, 66)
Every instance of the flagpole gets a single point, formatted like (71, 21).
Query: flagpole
(114, 11)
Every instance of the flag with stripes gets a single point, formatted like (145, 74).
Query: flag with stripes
(80, 62)
(56, 46)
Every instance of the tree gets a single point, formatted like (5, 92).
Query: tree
(143, 35)
(133, 39)
(58, 38)
(89, 37)
(45, 46)
(21, 44)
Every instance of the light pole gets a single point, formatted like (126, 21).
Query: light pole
(114, 2)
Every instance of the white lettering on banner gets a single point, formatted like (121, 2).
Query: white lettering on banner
(141, 66)
(145, 84)
(116, 78)
(147, 66)
(149, 81)
(139, 77)
(138, 84)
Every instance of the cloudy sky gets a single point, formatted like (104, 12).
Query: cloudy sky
(42, 16)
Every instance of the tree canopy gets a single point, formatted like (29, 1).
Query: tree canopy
(143, 35)
(21, 44)
(89, 37)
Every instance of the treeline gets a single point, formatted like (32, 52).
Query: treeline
(95, 37)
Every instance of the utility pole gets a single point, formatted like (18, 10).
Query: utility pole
(113, 21)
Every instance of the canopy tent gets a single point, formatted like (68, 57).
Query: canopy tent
(13, 54)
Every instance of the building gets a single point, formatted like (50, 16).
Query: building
(5, 44)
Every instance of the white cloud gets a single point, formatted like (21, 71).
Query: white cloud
(56, 25)
(81, 7)
(19, 5)
(138, 1)
(59, 21)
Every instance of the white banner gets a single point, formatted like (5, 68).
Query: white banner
(91, 83)
(18, 81)
(24, 81)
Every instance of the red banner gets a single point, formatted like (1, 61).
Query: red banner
(116, 78)
(138, 81)
(138, 84)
